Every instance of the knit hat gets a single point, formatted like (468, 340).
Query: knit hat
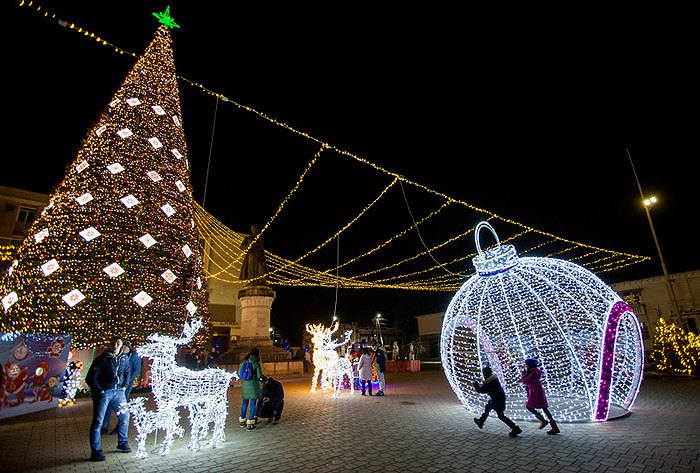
(486, 370)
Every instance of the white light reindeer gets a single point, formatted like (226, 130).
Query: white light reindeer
(203, 393)
(327, 362)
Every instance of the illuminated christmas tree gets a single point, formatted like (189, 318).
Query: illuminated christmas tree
(676, 350)
(116, 250)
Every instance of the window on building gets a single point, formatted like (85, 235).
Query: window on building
(26, 215)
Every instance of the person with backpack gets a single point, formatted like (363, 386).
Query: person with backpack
(250, 372)
(497, 401)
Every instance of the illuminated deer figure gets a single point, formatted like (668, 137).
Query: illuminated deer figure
(331, 367)
(203, 393)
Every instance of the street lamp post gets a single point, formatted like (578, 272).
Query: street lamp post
(379, 328)
(648, 204)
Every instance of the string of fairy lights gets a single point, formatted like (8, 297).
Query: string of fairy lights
(223, 256)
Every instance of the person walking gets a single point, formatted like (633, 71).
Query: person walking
(134, 360)
(272, 400)
(250, 374)
(380, 366)
(536, 397)
(364, 369)
(107, 377)
(497, 401)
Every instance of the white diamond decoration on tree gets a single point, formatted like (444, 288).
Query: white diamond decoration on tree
(40, 235)
(82, 166)
(113, 103)
(168, 210)
(9, 300)
(101, 130)
(191, 308)
(90, 233)
(155, 177)
(84, 199)
(158, 109)
(115, 168)
(113, 270)
(176, 120)
(124, 133)
(142, 298)
(176, 153)
(129, 201)
(50, 266)
(147, 240)
(169, 276)
(187, 250)
(199, 282)
(73, 297)
(133, 102)
(180, 186)
(155, 142)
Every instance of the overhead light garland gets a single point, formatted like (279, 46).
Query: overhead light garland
(225, 265)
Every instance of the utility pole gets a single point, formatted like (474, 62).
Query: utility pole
(648, 203)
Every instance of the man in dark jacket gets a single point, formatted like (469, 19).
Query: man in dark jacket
(108, 377)
(380, 366)
(135, 366)
(272, 400)
(497, 402)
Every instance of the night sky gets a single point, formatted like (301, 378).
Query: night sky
(528, 121)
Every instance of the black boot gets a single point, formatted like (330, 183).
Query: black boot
(515, 431)
(479, 422)
(554, 428)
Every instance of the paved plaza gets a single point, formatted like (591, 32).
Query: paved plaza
(419, 426)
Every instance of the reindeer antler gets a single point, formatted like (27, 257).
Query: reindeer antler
(190, 330)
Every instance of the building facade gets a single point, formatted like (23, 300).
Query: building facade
(18, 209)
(651, 299)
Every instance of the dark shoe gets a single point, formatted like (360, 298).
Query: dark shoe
(241, 422)
(275, 422)
(251, 427)
(123, 447)
(114, 431)
(515, 431)
(479, 422)
(363, 394)
(104, 431)
(379, 393)
(554, 429)
(97, 456)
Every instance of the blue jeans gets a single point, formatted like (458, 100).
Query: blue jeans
(380, 375)
(108, 412)
(244, 408)
(101, 404)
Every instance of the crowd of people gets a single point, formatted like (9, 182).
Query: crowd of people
(111, 377)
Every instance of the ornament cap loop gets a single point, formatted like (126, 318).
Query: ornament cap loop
(494, 260)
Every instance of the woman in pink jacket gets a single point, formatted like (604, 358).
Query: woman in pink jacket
(536, 398)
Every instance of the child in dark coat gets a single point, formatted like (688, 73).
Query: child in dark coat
(497, 401)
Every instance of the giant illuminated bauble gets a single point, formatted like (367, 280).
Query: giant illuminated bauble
(587, 340)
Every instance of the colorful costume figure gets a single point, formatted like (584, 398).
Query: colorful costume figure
(15, 381)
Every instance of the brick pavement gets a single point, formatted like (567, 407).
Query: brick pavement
(418, 426)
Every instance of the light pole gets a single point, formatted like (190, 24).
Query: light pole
(379, 328)
(648, 204)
